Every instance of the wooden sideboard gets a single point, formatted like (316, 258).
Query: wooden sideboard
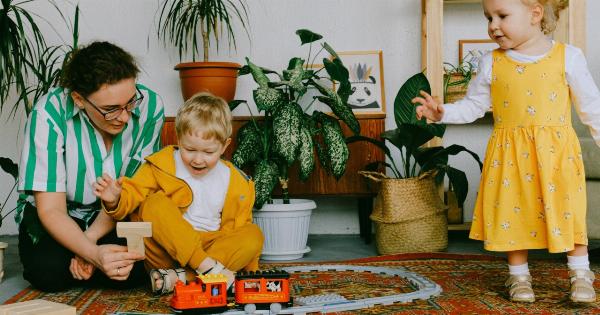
(320, 183)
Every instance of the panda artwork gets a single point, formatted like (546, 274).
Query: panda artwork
(364, 94)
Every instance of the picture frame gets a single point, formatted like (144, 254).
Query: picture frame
(366, 76)
(471, 50)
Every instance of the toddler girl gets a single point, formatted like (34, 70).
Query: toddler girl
(532, 189)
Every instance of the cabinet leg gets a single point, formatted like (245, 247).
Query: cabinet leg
(365, 206)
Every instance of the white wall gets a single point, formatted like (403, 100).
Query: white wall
(389, 25)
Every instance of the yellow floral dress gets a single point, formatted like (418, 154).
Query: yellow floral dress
(532, 189)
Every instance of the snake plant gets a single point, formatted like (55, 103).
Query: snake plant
(289, 133)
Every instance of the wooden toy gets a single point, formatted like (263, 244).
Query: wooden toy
(37, 307)
(134, 232)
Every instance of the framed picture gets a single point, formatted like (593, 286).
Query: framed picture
(366, 77)
(471, 50)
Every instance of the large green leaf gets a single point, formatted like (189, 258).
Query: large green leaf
(306, 155)
(286, 131)
(408, 136)
(266, 175)
(405, 111)
(335, 144)
(268, 99)
(307, 36)
(249, 145)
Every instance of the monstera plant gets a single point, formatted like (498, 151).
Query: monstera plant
(290, 132)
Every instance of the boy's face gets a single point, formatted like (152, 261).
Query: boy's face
(512, 23)
(200, 155)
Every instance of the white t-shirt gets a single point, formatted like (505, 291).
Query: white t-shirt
(584, 92)
(209, 192)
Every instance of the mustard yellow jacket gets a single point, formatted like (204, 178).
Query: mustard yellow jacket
(158, 174)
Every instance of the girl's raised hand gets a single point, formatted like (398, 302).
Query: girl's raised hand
(429, 107)
(108, 190)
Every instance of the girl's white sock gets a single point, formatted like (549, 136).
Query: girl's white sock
(518, 270)
(578, 262)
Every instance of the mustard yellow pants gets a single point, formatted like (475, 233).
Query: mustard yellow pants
(175, 243)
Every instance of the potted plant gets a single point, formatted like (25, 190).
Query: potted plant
(185, 23)
(408, 211)
(288, 135)
(456, 80)
(8, 166)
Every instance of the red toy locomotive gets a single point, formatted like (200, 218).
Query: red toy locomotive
(262, 289)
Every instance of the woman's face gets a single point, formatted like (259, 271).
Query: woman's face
(109, 97)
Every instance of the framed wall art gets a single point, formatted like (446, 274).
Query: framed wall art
(366, 76)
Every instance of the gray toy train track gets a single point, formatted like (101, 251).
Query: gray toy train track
(427, 289)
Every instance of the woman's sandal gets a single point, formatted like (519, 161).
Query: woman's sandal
(165, 276)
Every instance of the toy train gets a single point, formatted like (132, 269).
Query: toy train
(269, 289)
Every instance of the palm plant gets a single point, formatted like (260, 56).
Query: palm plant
(180, 21)
(21, 41)
(288, 133)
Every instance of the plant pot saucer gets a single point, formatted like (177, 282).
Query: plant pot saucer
(289, 255)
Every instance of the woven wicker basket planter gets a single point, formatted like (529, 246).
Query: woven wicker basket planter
(409, 215)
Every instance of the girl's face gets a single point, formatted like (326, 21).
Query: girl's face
(511, 23)
(108, 97)
(200, 155)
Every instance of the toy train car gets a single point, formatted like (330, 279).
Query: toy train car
(208, 294)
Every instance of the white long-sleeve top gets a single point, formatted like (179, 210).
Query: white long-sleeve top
(584, 92)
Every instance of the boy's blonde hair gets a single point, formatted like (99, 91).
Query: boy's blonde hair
(205, 113)
(552, 10)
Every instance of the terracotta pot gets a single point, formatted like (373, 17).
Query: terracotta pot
(218, 78)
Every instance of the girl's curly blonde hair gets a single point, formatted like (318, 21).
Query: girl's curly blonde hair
(552, 10)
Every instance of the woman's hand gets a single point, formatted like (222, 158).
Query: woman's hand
(115, 261)
(429, 107)
(108, 190)
(81, 269)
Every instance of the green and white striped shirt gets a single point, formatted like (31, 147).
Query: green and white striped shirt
(63, 152)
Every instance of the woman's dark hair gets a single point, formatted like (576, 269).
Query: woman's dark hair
(99, 63)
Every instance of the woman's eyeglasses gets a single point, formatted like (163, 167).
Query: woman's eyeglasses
(115, 113)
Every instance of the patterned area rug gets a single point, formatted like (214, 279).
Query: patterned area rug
(472, 284)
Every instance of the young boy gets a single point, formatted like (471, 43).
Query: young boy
(200, 206)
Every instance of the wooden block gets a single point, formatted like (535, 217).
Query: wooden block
(37, 307)
(134, 232)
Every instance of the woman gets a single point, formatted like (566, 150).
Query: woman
(98, 120)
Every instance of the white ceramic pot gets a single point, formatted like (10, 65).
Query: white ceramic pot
(285, 227)
(3, 246)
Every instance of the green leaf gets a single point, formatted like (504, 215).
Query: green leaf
(380, 144)
(335, 144)
(9, 167)
(459, 183)
(268, 99)
(295, 74)
(249, 145)
(286, 130)
(307, 36)
(338, 107)
(258, 74)
(405, 111)
(265, 179)
(306, 155)
(235, 103)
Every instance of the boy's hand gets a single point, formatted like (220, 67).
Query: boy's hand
(108, 190)
(429, 107)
